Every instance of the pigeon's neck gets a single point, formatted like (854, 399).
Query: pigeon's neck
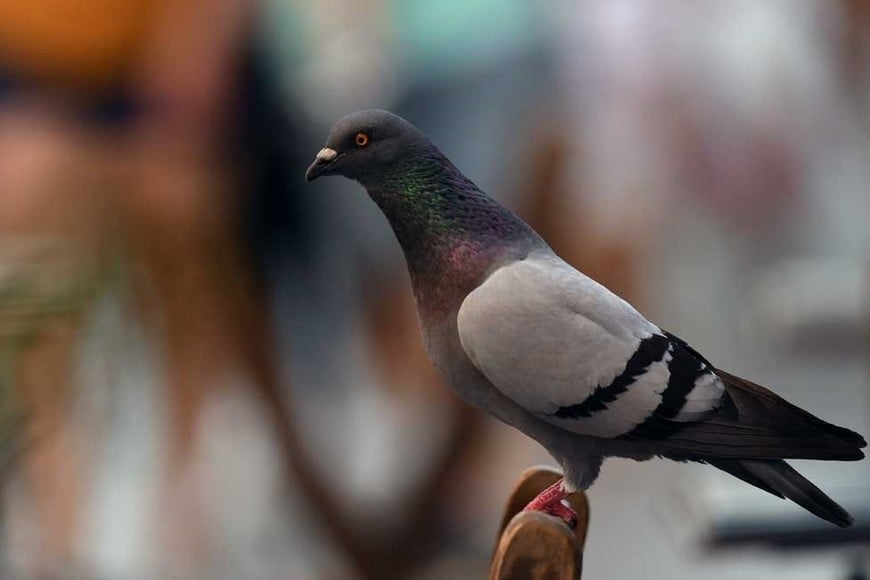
(451, 232)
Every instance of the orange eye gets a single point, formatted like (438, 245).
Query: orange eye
(361, 139)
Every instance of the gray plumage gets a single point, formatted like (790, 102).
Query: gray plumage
(521, 334)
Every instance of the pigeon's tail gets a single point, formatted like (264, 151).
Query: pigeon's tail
(801, 434)
(755, 423)
(752, 434)
(779, 478)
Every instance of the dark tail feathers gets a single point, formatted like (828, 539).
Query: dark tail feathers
(779, 478)
(783, 414)
(755, 423)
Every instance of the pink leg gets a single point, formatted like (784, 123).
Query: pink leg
(554, 501)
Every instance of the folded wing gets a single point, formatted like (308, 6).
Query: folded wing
(575, 354)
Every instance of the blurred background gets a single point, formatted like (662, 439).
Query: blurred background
(210, 369)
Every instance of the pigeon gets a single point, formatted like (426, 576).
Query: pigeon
(522, 335)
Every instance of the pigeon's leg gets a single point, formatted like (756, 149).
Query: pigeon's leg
(554, 501)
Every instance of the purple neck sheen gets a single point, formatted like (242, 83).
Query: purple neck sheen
(451, 232)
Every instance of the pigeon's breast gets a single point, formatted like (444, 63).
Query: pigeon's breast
(459, 372)
(444, 272)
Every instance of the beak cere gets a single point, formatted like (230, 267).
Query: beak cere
(326, 155)
(322, 160)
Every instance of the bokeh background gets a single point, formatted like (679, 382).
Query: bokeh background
(210, 369)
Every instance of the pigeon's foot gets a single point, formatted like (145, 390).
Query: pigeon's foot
(554, 501)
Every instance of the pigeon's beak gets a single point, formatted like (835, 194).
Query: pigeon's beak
(324, 159)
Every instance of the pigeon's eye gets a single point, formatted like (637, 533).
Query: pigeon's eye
(362, 139)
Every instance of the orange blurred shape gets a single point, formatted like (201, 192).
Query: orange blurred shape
(84, 44)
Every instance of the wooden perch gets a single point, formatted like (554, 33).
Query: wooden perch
(535, 546)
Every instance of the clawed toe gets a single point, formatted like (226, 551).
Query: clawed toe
(553, 501)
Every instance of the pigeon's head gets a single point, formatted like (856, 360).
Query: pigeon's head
(366, 144)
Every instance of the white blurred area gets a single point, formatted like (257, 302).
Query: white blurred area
(729, 134)
(708, 160)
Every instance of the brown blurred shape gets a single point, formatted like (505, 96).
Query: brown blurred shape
(855, 50)
(535, 546)
(44, 157)
(566, 225)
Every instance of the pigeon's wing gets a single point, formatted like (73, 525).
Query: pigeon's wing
(578, 356)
